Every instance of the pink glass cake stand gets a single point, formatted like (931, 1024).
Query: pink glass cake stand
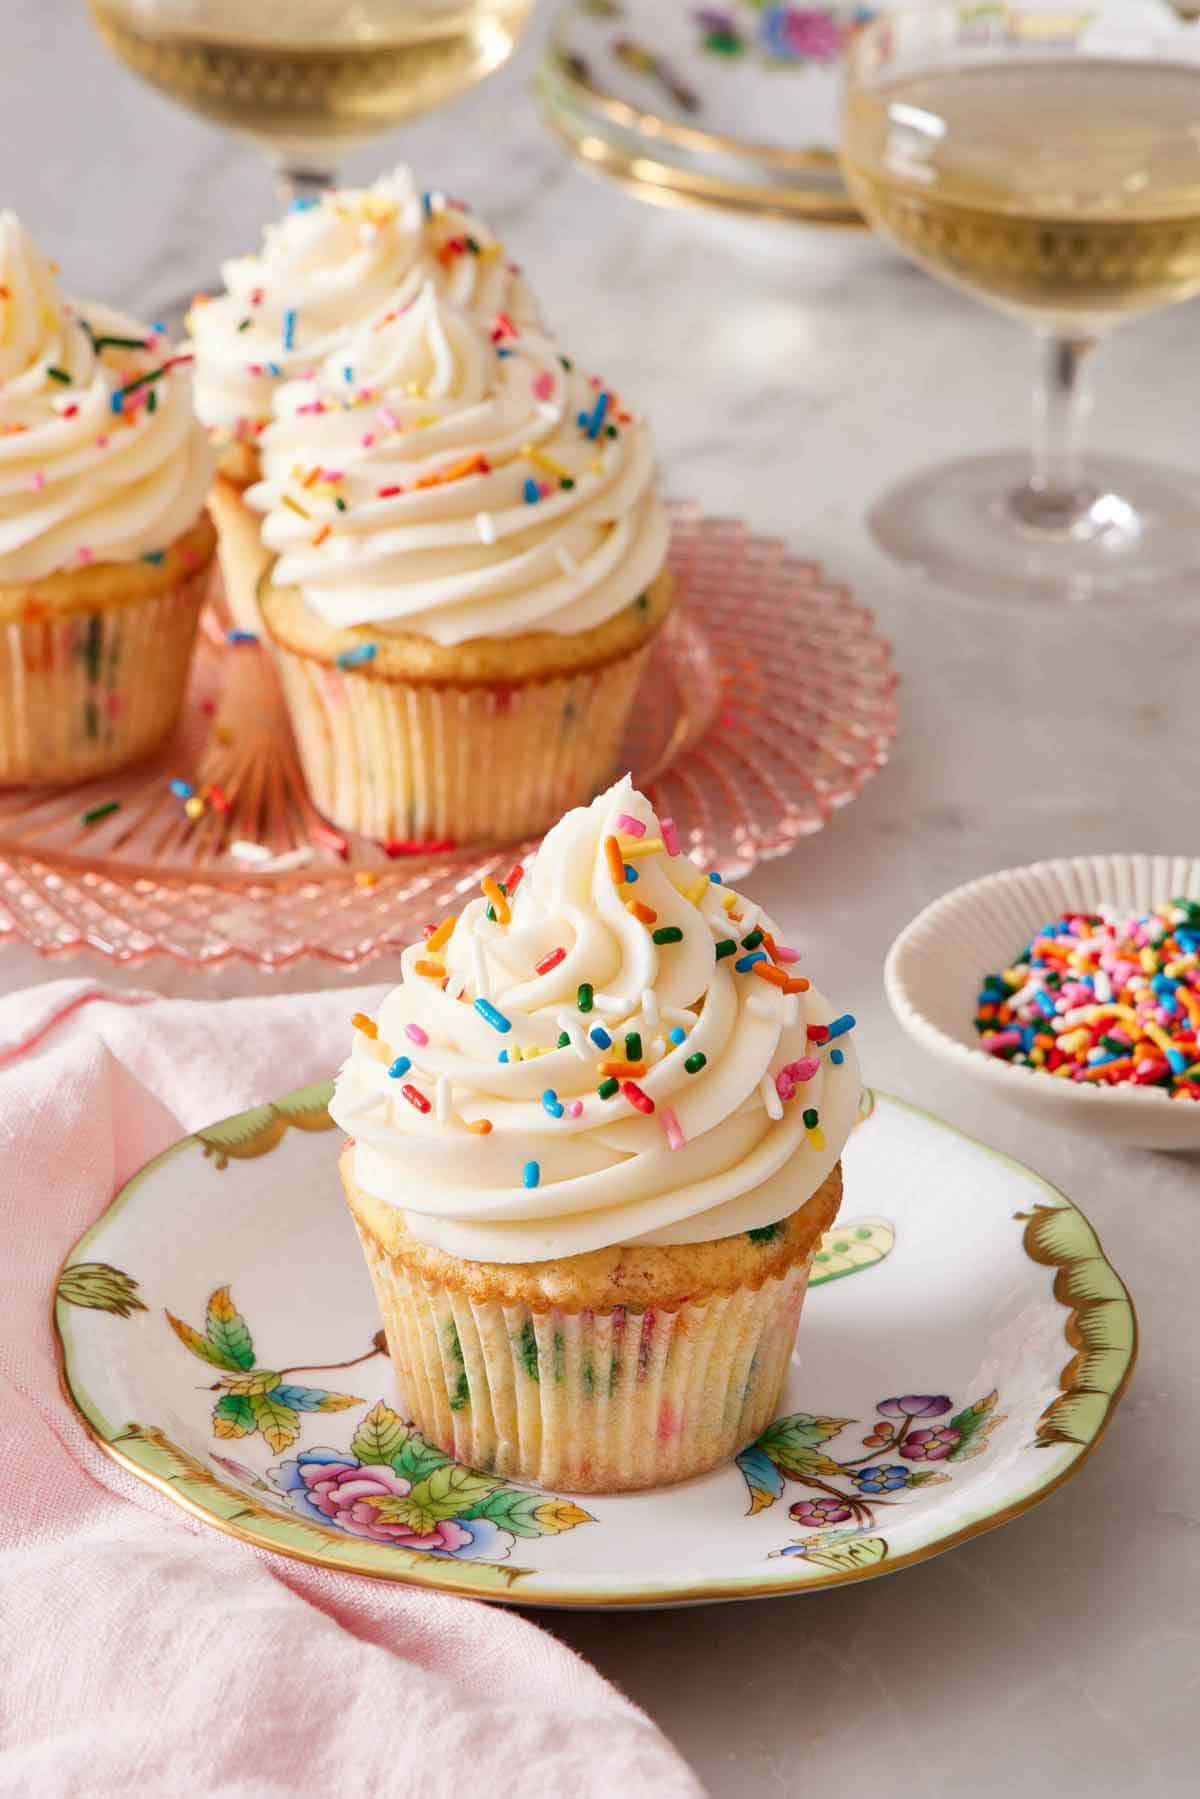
(768, 702)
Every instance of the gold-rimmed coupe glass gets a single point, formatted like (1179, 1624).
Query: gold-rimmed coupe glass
(1046, 160)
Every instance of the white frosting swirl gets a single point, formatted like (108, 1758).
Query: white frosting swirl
(607, 1172)
(435, 479)
(327, 265)
(92, 469)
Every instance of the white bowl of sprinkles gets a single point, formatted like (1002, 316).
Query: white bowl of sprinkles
(937, 966)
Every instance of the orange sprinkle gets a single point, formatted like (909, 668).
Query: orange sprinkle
(366, 1025)
(318, 537)
(434, 970)
(643, 913)
(767, 971)
(493, 895)
(623, 1070)
(311, 475)
(481, 1127)
(442, 935)
(475, 464)
(364, 877)
(796, 982)
(616, 861)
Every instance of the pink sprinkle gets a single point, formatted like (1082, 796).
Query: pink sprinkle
(633, 827)
(671, 1125)
(415, 1034)
(784, 954)
(150, 343)
(1009, 1040)
(387, 417)
(102, 443)
(575, 1109)
(331, 474)
(311, 406)
(84, 554)
(803, 1070)
(37, 481)
(366, 441)
(670, 836)
(544, 385)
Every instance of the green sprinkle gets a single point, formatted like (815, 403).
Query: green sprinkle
(340, 504)
(567, 482)
(642, 602)
(633, 1046)
(668, 933)
(566, 363)
(118, 343)
(472, 245)
(91, 720)
(611, 431)
(726, 947)
(752, 939)
(454, 1341)
(585, 996)
(98, 812)
(563, 1040)
(809, 1116)
(461, 1395)
(59, 375)
(245, 324)
(766, 1233)
(696, 1062)
(491, 913)
(608, 1087)
(527, 1349)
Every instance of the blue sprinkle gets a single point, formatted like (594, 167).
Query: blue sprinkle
(427, 204)
(501, 352)
(551, 1103)
(273, 368)
(497, 1020)
(591, 422)
(841, 1025)
(745, 963)
(155, 556)
(837, 1057)
(116, 400)
(347, 374)
(503, 1056)
(677, 1034)
(631, 873)
(241, 636)
(182, 790)
(1177, 1059)
(399, 1068)
(362, 652)
(531, 1174)
(532, 495)
(289, 328)
(600, 1037)
(303, 202)
(1045, 1004)
(714, 876)
(159, 329)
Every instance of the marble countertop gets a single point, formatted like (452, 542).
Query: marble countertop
(1061, 1653)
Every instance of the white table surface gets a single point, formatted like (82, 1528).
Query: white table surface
(1061, 1654)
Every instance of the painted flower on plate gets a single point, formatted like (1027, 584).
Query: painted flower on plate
(930, 1445)
(915, 1405)
(818, 1513)
(334, 1488)
(802, 34)
(881, 1479)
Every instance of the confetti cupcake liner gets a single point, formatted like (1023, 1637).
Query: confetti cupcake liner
(419, 762)
(85, 693)
(599, 1399)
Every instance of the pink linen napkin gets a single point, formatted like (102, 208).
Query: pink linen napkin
(142, 1652)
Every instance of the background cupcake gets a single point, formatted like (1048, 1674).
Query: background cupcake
(470, 569)
(327, 265)
(104, 542)
(596, 1133)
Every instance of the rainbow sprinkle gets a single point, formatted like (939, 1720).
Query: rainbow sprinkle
(1102, 998)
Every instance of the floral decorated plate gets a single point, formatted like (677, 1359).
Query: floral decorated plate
(963, 1346)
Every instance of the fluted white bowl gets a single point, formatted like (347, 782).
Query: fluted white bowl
(935, 968)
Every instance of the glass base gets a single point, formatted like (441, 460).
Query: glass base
(977, 527)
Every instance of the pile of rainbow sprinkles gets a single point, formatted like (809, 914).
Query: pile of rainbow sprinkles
(1103, 998)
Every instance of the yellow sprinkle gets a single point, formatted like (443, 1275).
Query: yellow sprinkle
(641, 846)
(415, 390)
(366, 877)
(294, 506)
(597, 465)
(1179, 966)
(1148, 960)
(195, 807)
(697, 891)
(1037, 1057)
(729, 901)
(426, 419)
(816, 1137)
(540, 459)
(1157, 1035)
(442, 935)
(494, 897)
(531, 1051)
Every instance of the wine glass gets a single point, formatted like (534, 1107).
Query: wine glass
(1047, 161)
(307, 80)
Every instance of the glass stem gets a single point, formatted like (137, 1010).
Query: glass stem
(296, 178)
(1057, 496)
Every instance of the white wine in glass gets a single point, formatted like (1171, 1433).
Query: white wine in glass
(309, 79)
(1048, 163)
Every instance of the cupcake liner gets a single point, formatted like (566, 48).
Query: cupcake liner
(85, 693)
(592, 1401)
(422, 762)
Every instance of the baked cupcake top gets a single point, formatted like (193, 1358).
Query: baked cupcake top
(612, 1048)
(441, 477)
(101, 456)
(329, 263)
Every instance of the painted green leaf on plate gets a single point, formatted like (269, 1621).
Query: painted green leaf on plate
(379, 1436)
(233, 1416)
(279, 1424)
(100, 1287)
(226, 1330)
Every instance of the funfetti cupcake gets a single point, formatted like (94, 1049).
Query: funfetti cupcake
(105, 545)
(328, 264)
(594, 1145)
(470, 571)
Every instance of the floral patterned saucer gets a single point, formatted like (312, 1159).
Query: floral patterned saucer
(963, 1347)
